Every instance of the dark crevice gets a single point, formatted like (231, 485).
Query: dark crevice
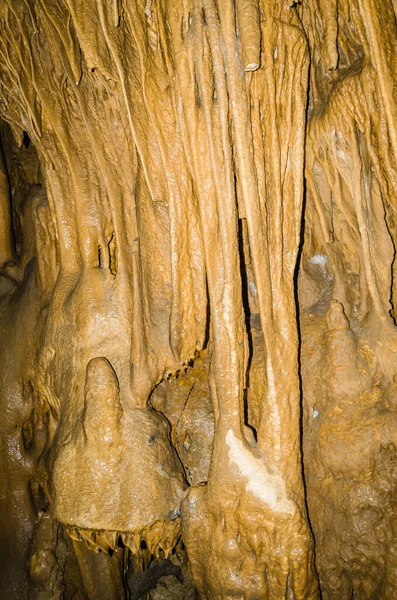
(296, 296)
(140, 583)
(25, 140)
(112, 255)
(247, 316)
(208, 318)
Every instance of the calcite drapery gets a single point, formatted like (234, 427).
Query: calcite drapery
(151, 220)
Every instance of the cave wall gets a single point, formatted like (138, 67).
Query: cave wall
(197, 299)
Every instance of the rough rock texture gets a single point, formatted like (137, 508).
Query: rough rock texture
(198, 299)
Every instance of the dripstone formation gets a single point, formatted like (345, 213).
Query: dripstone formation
(198, 299)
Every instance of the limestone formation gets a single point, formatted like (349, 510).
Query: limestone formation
(198, 279)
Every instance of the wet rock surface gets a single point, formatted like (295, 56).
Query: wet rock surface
(198, 381)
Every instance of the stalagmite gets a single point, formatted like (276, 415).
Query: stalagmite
(197, 299)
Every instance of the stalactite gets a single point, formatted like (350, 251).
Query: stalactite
(197, 298)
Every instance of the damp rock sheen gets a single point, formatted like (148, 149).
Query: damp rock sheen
(198, 300)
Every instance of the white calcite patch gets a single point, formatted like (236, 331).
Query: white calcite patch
(319, 259)
(266, 487)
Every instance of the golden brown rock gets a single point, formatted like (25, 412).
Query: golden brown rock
(198, 281)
